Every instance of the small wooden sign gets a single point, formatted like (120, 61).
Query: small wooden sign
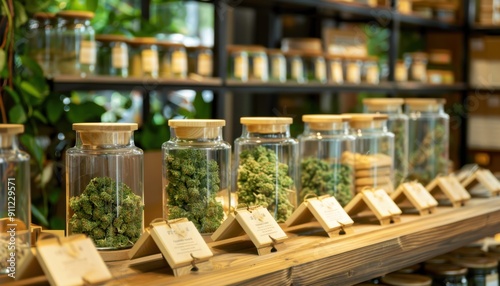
(486, 179)
(72, 260)
(324, 210)
(256, 222)
(417, 195)
(451, 188)
(380, 204)
(179, 242)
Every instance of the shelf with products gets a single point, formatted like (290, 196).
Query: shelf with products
(370, 251)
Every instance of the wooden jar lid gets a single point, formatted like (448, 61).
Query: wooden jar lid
(266, 125)
(383, 102)
(476, 262)
(142, 41)
(366, 120)
(105, 133)
(196, 128)
(44, 15)
(11, 128)
(111, 38)
(76, 14)
(325, 122)
(468, 251)
(445, 269)
(424, 104)
(401, 279)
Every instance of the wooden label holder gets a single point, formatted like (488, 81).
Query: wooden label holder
(485, 178)
(380, 204)
(325, 211)
(254, 223)
(72, 260)
(418, 197)
(179, 242)
(451, 188)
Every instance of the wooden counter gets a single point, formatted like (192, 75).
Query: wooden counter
(371, 251)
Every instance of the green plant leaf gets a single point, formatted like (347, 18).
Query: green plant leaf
(20, 13)
(38, 215)
(2, 59)
(92, 5)
(85, 112)
(54, 195)
(38, 115)
(13, 94)
(17, 114)
(202, 108)
(54, 109)
(30, 89)
(36, 152)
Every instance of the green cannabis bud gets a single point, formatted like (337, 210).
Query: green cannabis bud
(108, 212)
(263, 181)
(319, 177)
(192, 185)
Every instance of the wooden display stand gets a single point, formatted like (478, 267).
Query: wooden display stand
(451, 188)
(417, 196)
(255, 223)
(180, 243)
(486, 179)
(380, 204)
(324, 212)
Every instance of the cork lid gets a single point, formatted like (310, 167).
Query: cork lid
(417, 55)
(476, 262)
(366, 120)
(266, 125)
(249, 48)
(440, 259)
(303, 44)
(445, 269)
(75, 14)
(142, 41)
(196, 128)
(401, 279)
(468, 251)
(383, 101)
(111, 38)
(11, 128)
(169, 44)
(424, 104)
(274, 52)
(44, 15)
(105, 133)
(325, 121)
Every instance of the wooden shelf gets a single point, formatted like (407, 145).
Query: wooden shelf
(371, 251)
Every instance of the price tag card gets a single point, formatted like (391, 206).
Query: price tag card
(72, 260)
(180, 242)
(419, 196)
(260, 226)
(329, 213)
(380, 203)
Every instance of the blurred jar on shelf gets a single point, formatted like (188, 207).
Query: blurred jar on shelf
(200, 61)
(352, 69)
(238, 63)
(112, 55)
(41, 39)
(295, 71)
(143, 57)
(173, 60)
(440, 67)
(401, 71)
(258, 61)
(277, 65)
(315, 66)
(76, 38)
(417, 65)
(335, 70)
(370, 73)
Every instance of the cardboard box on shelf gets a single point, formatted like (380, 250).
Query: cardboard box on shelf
(485, 61)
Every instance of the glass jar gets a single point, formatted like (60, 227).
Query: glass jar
(370, 73)
(446, 274)
(266, 165)
(401, 71)
(143, 57)
(397, 123)
(77, 54)
(15, 201)
(196, 173)
(335, 70)
(259, 67)
(112, 55)
(294, 67)
(238, 63)
(200, 61)
(315, 66)
(352, 70)
(374, 152)
(173, 60)
(41, 41)
(321, 145)
(494, 253)
(482, 271)
(417, 65)
(277, 65)
(104, 185)
(402, 279)
(428, 137)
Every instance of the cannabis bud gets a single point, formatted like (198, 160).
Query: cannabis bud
(108, 212)
(263, 181)
(192, 185)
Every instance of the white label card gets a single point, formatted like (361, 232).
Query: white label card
(87, 52)
(381, 201)
(420, 195)
(119, 56)
(329, 213)
(260, 226)
(73, 262)
(179, 242)
(149, 61)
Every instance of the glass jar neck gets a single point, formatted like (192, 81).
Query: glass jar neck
(77, 22)
(425, 109)
(269, 131)
(9, 142)
(199, 135)
(385, 109)
(326, 128)
(369, 126)
(104, 140)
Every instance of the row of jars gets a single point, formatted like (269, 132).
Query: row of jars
(65, 43)
(256, 63)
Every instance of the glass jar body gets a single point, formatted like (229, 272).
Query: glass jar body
(15, 202)
(173, 62)
(113, 59)
(335, 71)
(322, 170)
(238, 65)
(277, 67)
(352, 70)
(144, 61)
(483, 276)
(41, 43)
(200, 61)
(259, 66)
(428, 137)
(371, 73)
(417, 66)
(196, 178)
(315, 69)
(105, 192)
(78, 47)
(265, 170)
(295, 69)
(449, 280)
